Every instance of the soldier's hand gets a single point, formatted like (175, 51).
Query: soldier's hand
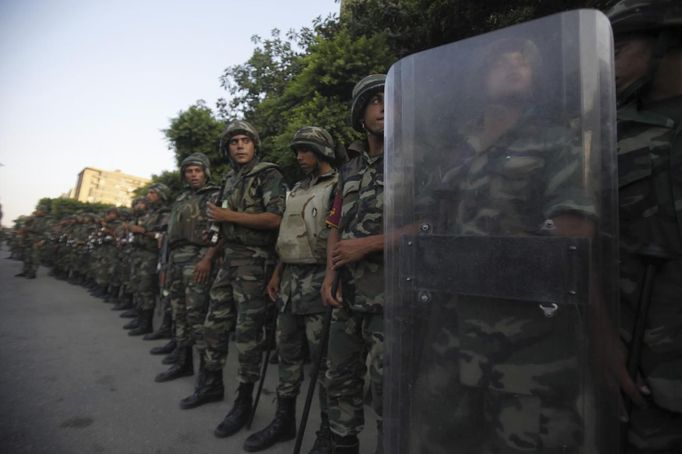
(273, 287)
(218, 214)
(202, 271)
(327, 290)
(349, 251)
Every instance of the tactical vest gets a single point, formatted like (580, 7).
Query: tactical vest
(304, 219)
(188, 220)
(241, 194)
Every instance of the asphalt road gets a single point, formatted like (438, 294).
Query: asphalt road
(73, 381)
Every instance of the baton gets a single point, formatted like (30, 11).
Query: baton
(263, 372)
(316, 370)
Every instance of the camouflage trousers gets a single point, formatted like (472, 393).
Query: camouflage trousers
(356, 346)
(145, 280)
(31, 257)
(188, 299)
(237, 302)
(292, 331)
(495, 377)
(657, 428)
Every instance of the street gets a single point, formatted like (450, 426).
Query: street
(73, 381)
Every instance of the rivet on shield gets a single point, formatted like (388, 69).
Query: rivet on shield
(409, 243)
(424, 297)
(550, 310)
(408, 278)
(573, 248)
(572, 292)
(425, 227)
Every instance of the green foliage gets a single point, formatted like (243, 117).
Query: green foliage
(170, 178)
(196, 130)
(415, 25)
(280, 89)
(61, 207)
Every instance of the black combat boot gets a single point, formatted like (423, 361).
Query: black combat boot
(31, 275)
(164, 349)
(345, 445)
(164, 330)
(380, 437)
(132, 324)
(22, 274)
(145, 325)
(184, 367)
(282, 428)
(323, 438)
(209, 388)
(239, 414)
(130, 313)
(172, 357)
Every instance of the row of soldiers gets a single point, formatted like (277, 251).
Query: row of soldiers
(249, 253)
(242, 258)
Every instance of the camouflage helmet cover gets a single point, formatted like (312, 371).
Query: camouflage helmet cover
(643, 15)
(197, 159)
(161, 189)
(362, 92)
(317, 140)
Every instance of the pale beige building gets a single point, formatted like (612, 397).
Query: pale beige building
(102, 186)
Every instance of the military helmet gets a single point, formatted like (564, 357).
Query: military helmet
(162, 190)
(317, 140)
(196, 159)
(362, 92)
(644, 15)
(238, 127)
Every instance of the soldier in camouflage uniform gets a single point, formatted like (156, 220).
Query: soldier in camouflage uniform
(145, 279)
(355, 254)
(648, 45)
(295, 285)
(33, 238)
(252, 207)
(498, 365)
(106, 283)
(191, 263)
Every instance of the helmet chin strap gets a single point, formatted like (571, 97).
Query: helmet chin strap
(370, 131)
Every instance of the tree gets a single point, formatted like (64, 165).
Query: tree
(196, 130)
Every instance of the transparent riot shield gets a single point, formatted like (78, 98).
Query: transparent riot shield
(501, 324)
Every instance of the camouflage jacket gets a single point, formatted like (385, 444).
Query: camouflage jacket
(254, 188)
(361, 190)
(153, 220)
(188, 222)
(650, 210)
(514, 187)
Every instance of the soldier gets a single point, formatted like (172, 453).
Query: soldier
(147, 233)
(648, 59)
(191, 263)
(295, 285)
(32, 235)
(488, 336)
(250, 215)
(355, 255)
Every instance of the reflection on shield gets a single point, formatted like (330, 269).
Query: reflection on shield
(500, 310)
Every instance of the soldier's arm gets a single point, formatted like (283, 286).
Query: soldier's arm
(256, 221)
(331, 272)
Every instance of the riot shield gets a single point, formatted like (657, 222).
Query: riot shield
(500, 316)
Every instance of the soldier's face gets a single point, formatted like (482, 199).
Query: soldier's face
(242, 149)
(374, 114)
(307, 160)
(632, 56)
(510, 77)
(195, 176)
(153, 197)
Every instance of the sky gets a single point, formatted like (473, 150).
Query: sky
(93, 83)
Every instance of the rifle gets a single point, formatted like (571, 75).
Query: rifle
(316, 369)
(270, 326)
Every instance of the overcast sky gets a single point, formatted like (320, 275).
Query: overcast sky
(92, 83)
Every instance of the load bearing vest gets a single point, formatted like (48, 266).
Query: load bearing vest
(304, 220)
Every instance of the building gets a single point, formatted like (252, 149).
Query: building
(101, 186)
